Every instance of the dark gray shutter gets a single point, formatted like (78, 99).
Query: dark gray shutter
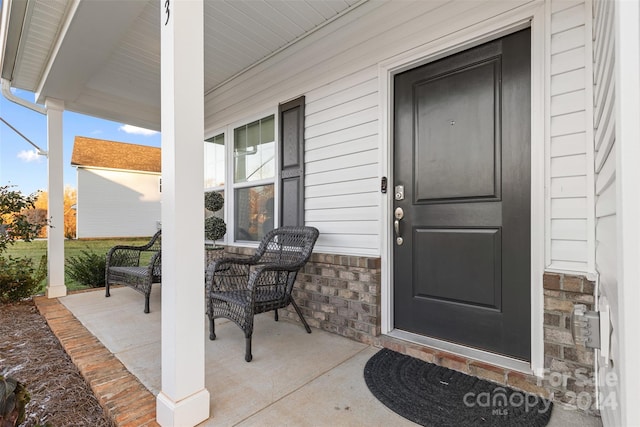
(291, 135)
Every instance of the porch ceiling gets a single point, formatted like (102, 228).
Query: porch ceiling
(103, 58)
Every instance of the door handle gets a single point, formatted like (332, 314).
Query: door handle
(399, 214)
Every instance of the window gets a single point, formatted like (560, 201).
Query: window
(242, 163)
(214, 169)
(254, 159)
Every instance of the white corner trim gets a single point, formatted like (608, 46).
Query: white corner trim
(540, 122)
(589, 132)
(627, 110)
(534, 15)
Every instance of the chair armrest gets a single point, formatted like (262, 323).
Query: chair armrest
(155, 265)
(227, 274)
(260, 275)
(221, 263)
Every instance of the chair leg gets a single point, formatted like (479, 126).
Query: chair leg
(146, 303)
(276, 316)
(106, 287)
(304, 322)
(212, 329)
(247, 354)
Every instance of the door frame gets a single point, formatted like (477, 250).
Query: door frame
(536, 17)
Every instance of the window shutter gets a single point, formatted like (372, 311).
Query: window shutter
(291, 143)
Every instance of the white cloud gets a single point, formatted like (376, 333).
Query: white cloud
(96, 132)
(136, 130)
(29, 156)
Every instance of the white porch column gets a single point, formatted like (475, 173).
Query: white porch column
(183, 401)
(627, 86)
(55, 242)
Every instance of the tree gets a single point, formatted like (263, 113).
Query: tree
(41, 207)
(18, 277)
(14, 222)
(70, 200)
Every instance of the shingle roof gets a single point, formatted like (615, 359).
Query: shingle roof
(115, 155)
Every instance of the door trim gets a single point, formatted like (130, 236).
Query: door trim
(458, 349)
(533, 16)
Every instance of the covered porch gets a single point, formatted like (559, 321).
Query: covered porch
(294, 379)
(211, 71)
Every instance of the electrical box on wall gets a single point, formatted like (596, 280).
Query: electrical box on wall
(585, 326)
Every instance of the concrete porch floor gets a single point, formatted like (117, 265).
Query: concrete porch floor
(295, 378)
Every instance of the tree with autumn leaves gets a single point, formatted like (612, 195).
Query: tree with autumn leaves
(40, 211)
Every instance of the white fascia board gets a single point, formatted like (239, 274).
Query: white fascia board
(116, 170)
(8, 45)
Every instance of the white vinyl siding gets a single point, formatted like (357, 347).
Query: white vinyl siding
(336, 68)
(605, 183)
(569, 176)
(115, 203)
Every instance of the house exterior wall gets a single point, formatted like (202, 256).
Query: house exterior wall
(117, 203)
(336, 68)
(570, 179)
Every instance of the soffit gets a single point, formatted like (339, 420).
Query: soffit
(45, 18)
(104, 60)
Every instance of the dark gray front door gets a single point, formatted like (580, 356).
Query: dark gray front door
(462, 153)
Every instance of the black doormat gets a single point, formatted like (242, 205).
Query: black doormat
(434, 396)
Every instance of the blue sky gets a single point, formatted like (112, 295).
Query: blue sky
(22, 167)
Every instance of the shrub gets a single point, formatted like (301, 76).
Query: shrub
(214, 227)
(13, 399)
(87, 268)
(213, 201)
(19, 279)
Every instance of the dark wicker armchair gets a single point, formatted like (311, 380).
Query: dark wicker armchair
(123, 267)
(239, 288)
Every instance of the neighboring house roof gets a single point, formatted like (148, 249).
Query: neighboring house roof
(100, 153)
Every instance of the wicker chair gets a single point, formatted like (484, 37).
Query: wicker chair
(123, 267)
(239, 288)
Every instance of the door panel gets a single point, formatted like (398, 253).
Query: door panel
(447, 126)
(462, 152)
(440, 252)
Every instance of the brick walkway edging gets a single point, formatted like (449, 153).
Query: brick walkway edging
(124, 399)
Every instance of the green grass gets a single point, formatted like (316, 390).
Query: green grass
(38, 248)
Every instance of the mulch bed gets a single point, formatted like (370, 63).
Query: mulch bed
(30, 353)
